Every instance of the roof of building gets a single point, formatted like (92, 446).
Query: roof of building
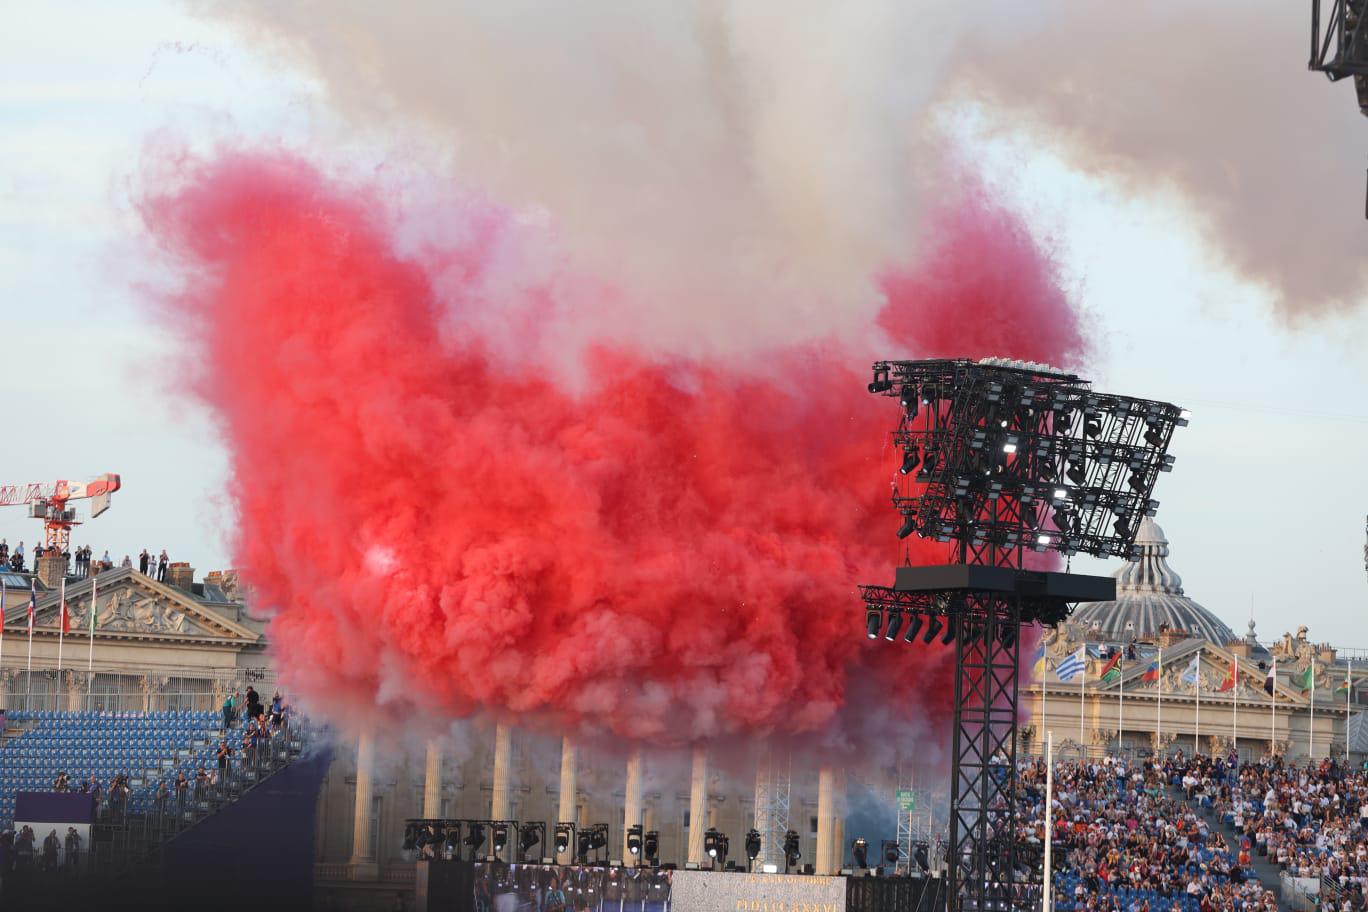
(1149, 593)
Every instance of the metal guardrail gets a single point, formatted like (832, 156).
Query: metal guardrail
(332, 872)
(122, 838)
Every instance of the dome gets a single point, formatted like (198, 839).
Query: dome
(1149, 593)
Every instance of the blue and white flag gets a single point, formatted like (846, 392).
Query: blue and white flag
(1190, 673)
(1072, 665)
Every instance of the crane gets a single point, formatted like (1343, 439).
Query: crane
(48, 502)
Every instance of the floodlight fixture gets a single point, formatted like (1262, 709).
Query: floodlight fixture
(791, 850)
(860, 849)
(752, 845)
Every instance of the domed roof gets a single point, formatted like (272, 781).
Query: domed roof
(1149, 593)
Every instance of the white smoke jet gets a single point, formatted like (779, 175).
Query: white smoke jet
(741, 172)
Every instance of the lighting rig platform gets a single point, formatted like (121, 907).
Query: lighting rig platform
(1005, 461)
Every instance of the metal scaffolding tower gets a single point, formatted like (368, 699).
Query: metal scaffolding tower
(772, 791)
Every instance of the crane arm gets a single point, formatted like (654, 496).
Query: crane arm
(59, 490)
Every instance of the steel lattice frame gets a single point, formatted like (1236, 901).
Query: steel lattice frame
(1007, 457)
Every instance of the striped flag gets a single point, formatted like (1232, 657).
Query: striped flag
(33, 602)
(1151, 673)
(1271, 678)
(1190, 673)
(66, 616)
(1038, 666)
(1072, 665)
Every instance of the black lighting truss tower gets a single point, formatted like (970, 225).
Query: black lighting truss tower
(1339, 46)
(1001, 458)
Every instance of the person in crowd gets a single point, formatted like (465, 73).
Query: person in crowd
(95, 791)
(105, 562)
(66, 558)
(162, 561)
(182, 787)
(142, 561)
(38, 552)
(86, 559)
(62, 783)
(126, 563)
(229, 704)
(163, 797)
(4, 550)
(23, 853)
(277, 711)
(52, 847)
(223, 755)
(73, 851)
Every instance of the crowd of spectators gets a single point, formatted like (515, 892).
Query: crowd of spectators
(83, 563)
(1123, 842)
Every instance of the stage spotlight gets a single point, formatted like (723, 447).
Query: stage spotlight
(1076, 472)
(723, 848)
(1007, 634)
(914, 624)
(562, 839)
(891, 852)
(908, 400)
(1136, 481)
(881, 384)
(1092, 426)
(791, 852)
(911, 459)
(860, 849)
(894, 625)
(599, 837)
(752, 845)
(410, 838)
(1154, 438)
(929, 394)
(929, 463)
(1122, 529)
(919, 855)
(933, 627)
(530, 836)
(949, 636)
(650, 846)
(453, 840)
(710, 842)
(582, 848)
(872, 624)
(437, 838)
(500, 837)
(908, 527)
(475, 838)
(634, 840)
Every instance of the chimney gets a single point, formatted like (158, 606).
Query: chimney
(181, 575)
(50, 569)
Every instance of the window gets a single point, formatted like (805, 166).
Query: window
(686, 819)
(812, 826)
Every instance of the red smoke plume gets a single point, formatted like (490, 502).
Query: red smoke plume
(669, 552)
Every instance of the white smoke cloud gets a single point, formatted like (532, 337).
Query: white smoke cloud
(744, 171)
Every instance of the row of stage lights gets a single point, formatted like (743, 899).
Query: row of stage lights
(930, 627)
(443, 838)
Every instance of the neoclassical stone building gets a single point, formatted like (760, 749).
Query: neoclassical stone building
(1156, 697)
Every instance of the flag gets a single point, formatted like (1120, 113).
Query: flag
(1272, 676)
(1151, 673)
(33, 601)
(1072, 665)
(1190, 673)
(66, 617)
(1038, 666)
(1343, 687)
(1307, 679)
(1229, 683)
(1112, 670)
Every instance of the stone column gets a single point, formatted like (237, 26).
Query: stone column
(631, 800)
(698, 804)
(76, 689)
(566, 813)
(432, 781)
(363, 863)
(503, 749)
(838, 844)
(825, 821)
(7, 688)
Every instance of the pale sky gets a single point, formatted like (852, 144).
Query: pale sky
(1265, 509)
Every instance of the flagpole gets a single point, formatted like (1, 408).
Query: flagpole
(4, 591)
(1235, 716)
(90, 660)
(1197, 686)
(61, 632)
(1121, 704)
(1159, 719)
(1047, 900)
(1273, 702)
(1348, 703)
(1042, 692)
(1082, 679)
(28, 689)
(1311, 735)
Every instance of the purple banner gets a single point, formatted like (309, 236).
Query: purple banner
(54, 807)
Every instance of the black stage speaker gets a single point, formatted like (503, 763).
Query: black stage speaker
(445, 886)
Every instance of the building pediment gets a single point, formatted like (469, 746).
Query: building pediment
(132, 605)
(1213, 672)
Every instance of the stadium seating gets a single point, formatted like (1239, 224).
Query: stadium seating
(147, 747)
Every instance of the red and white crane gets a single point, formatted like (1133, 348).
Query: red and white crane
(48, 502)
